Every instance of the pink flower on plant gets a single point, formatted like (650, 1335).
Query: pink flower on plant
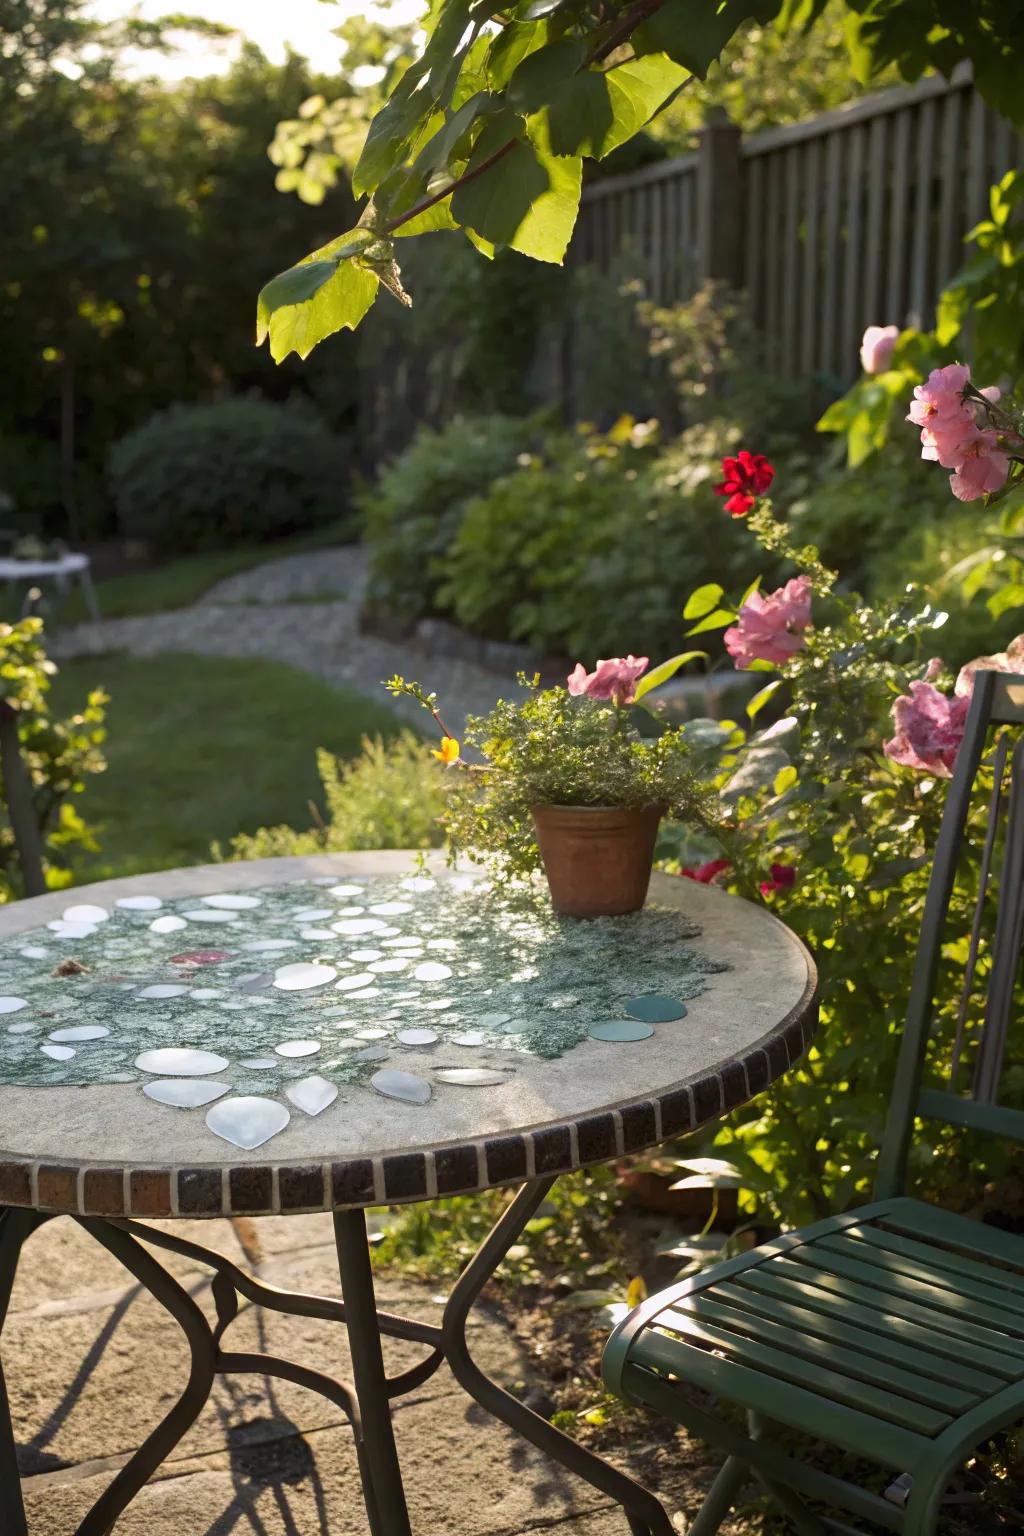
(614, 679)
(940, 397)
(876, 349)
(780, 878)
(982, 467)
(929, 730)
(704, 874)
(771, 628)
(1010, 660)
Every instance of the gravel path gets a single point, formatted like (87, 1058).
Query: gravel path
(302, 610)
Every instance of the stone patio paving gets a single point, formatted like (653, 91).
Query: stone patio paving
(92, 1364)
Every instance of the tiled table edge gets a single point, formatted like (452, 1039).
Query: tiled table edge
(260, 1189)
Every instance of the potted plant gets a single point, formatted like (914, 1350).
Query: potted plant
(566, 780)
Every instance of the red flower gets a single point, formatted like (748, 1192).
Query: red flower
(781, 878)
(705, 874)
(747, 477)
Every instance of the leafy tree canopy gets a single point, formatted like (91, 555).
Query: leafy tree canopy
(487, 129)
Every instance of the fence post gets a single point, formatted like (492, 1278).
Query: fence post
(719, 201)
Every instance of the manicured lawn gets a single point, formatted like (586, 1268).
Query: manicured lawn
(181, 582)
(202, 748)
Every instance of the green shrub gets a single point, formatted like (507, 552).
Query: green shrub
(391, 796)
(236, 471)
(412, 512)
(584, 548)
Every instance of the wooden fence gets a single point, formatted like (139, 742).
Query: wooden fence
(854, 218)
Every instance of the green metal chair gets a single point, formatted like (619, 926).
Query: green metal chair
(896, 1331)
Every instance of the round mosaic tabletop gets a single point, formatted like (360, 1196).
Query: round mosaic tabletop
(354, 1029)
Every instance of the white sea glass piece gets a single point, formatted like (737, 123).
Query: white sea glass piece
(345, 890)
(386, 967)
(440, 1004)
(356, 926)
(259, 1063)
(312, 914)
(373, 1033)
(369, 1052)
(297, 1048)
(362, 955)
(471, 1077)
(363, 992)
(401, 1085)
(264, 946)
(232, 901)
(432, 970)
(168, 924)
(247, 1121)
(76, 1032)
(207, 994)
(85, 912)
(20, 1029)
(448, 944)
(418, 1036)
(312, 1094)
(12, 1004)
(468, 1037)
(58, 1052)
(349, 911)
(184, 1092)
(72, 930)
(316, 933)
(391, 908)
(34, 952)
(303, 976)
(354, 982)
(180, 1061)
(163, 989)
(210, 915)
(139, 903)
(419, 883)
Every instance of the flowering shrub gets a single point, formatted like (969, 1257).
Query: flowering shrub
(831, 814)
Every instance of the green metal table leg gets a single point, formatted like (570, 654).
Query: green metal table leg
(15, 1227)
(382, 1475)
(644, 1514)
(722, 1496)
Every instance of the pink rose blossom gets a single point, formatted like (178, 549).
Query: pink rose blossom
(940, 397)
(615, 679)
(929, 730)
(771, 628)
(877, 347)
(930, 726)
(943, 441)
(983, 465)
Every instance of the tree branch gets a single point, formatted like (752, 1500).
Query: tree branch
(439, 197)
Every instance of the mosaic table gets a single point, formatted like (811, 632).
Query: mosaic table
(347, 1030)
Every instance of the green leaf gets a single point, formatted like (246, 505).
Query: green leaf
(339, 303)
(512, 45)
(717, 620)
(542, 76)
(581, 117)
(638, 89)
(438, 149)
(692, 32)
(437, 217)
(661, 674)
(784, 779)
(528, 198)
(702, 600)
(292, 287)
(760, 699)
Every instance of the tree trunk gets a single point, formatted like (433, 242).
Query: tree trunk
(67, 445)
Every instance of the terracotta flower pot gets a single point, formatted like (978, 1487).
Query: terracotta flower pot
(597, 858)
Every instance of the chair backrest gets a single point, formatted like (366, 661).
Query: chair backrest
(993, 958)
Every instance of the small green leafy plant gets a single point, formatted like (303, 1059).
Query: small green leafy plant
(578, 746)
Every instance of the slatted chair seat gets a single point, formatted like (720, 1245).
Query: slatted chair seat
(896, 1331)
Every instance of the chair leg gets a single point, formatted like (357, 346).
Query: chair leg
(722, 1495)
(789, 1502)
(921, 1517)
